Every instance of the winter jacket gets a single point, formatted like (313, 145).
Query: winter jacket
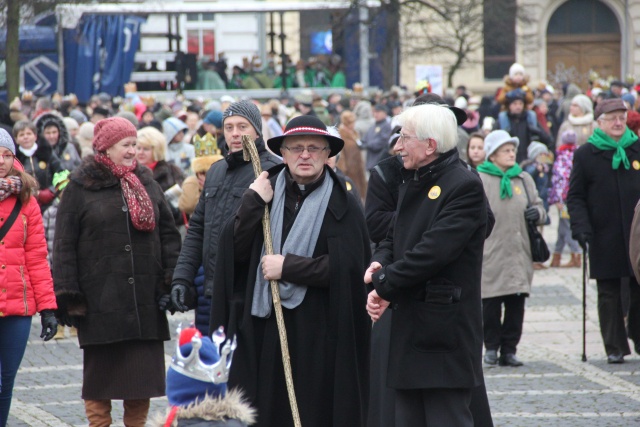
(190, 195)
(66, 152)
(42, 165)
(26, 286)
(203, 307)
(105, 269)
(561, 174)
(350, 161)
(507, 267)
(582, 126)
(510, 85)
(230, 411)
(224, 184)
(49, 222)
(181, 154)
(376, 142)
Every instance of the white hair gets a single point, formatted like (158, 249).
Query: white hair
(432, 121)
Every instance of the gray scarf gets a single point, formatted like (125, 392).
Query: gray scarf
(301, 241)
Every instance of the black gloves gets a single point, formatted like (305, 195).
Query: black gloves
(532, 214)
(164, 303)
(178, 294)
(583, 239)
(49, 324)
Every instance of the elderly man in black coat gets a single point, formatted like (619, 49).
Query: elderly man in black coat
(321, 248)
(428, 271)
(604, 188)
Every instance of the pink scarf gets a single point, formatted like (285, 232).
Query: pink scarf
(139, 202)
(10, 185)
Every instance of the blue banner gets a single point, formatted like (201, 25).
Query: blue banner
(99, 54)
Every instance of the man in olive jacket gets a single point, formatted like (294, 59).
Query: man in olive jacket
(603, 190)
(428, 271)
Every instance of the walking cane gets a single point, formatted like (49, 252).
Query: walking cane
(584, 301)
(249, 152)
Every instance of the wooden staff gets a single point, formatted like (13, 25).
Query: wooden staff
(249, 152)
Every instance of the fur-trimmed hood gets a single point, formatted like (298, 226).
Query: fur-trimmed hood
(231, 407)
(94, 176)
(49, 119)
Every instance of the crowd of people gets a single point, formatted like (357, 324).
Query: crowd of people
(152, 208)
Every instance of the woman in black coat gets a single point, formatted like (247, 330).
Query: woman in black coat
(116, 245)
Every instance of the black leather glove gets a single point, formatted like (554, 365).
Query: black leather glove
(164, 303)
(583, 239)
(532, 214)
(178, 294)
(49, 324)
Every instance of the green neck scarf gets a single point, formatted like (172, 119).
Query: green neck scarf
(602, 141)
(505, 183)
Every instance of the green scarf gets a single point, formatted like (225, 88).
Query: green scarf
(505, 183)
(602, 141)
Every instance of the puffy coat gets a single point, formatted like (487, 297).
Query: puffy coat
(26, 286)
(105, 267)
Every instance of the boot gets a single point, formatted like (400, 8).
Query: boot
(60, 334)
(574, 262)
(135, 412)
(98, 412)
(539, 266)
(73, 331)
(555, 261)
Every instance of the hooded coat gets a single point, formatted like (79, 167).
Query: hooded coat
(328, 333)
(64, 149)
(42, 165)
(105, 267)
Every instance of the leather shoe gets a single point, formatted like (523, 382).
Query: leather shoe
(509, 359)
(615, 358)
(491, 357)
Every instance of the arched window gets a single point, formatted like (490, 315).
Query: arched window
(583, 17)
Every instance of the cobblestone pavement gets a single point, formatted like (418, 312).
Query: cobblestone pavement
(553, 388)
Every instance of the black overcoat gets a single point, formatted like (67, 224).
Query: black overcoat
(601, 202)
(328, 333)
(432, 261)
(102, 263)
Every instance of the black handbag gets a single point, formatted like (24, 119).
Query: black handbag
(539, 249)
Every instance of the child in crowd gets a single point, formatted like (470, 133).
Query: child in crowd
(475, 149)
(516, 80)
(558, 196)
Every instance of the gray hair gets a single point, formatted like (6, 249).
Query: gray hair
(432, 121)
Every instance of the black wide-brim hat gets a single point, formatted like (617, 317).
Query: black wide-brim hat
(306, 125)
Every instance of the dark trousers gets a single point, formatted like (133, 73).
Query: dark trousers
(14, 333)
(610, 314)
(503, 333)
(438, 407)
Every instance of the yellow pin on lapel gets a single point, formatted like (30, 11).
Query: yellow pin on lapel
(517, 190)
(434, 193)
(42, 165)
(348, 185)
(636, 165)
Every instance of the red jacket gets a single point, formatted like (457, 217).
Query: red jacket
(26, 286)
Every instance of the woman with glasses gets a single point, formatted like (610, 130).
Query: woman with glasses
(26, 286)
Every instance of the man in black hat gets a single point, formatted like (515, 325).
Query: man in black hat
(321, 248)
(224, 183)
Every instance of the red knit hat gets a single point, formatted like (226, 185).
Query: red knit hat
(108, 132)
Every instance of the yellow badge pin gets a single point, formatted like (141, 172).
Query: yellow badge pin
(517, 190)
(42, 165)
(636, 165)
(434, 193)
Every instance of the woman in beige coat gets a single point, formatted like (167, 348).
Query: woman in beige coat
(507, 269)
(580, 120)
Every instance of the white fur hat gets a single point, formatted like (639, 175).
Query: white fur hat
(515, 68)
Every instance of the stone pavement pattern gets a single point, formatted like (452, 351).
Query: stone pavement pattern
(553, 388)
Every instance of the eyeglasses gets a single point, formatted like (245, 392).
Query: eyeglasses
(299, 149)
(404, 138)
(7, 157)
(621, 119)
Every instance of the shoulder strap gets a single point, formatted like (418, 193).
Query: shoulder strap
(524, 184)
(12, 218)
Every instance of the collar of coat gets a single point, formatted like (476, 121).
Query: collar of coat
(93, 176)
(434, 169)
(338, 206)
(232, 406)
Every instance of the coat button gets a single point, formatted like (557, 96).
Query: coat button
(394, 306)
(1, 242)
(1, 218)
(4, 266)
(131, 281)
(4, 291)
(127, 248)
(382, 277)
(124, 209)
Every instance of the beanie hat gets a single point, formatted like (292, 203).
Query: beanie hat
(514, 69)
(497, 139)
(214, 117)
(108, 132)
(584, 102)
(183, 389)
(70, 123)
(7, 142)
(248, 110)
(514, 95)
(535, 149)
(171, 127)
(78, 116)
(628, 97)
(129, 116)
(568, 137)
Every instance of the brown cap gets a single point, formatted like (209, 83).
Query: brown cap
(609, 105)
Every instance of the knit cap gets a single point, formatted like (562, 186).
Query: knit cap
(514, 69)
(535, 149)
(108, 132)
(584, 102)
(568, 137)
(7, 142)
(214, 117)
(248, 110)
(171, 127)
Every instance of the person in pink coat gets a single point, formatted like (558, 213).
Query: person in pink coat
(26, 286)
